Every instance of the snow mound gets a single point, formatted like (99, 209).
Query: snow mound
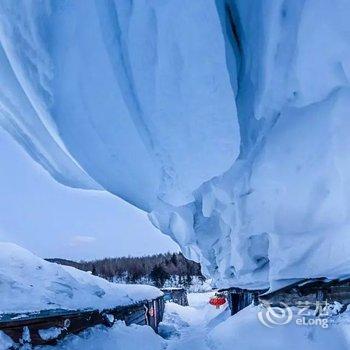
(119, 337)
(246, 332)
(5, 341)
(29, 283)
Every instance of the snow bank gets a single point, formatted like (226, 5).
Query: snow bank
(5, 341)
(119, 337)
(245, 332)
(29, 283)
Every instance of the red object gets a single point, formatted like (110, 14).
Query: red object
(217, 301)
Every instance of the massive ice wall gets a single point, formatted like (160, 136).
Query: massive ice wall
(125, 93)
(226, 120)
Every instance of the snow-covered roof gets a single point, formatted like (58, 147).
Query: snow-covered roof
(170, 289)
(29, 283)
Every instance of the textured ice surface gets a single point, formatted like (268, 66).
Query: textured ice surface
(227, 121)
(126, 94)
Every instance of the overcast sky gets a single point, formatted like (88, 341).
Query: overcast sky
(52, 220)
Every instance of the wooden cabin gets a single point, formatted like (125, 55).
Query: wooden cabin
(239, 298)
(30, 327)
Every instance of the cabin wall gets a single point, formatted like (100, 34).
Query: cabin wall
(143, 313)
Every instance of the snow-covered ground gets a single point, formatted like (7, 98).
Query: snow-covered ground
(119, 337)
(200, 326)
(244, 331)
(187, 327)
(183, 328)
(29, 283)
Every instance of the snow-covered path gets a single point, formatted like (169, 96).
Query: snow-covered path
(183, 328)
(188, 327)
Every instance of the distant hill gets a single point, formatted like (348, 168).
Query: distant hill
(159, 269)
(65, 262)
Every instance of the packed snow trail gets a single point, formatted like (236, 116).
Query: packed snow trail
(187, 327)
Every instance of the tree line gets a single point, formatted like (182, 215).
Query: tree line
(157, 269)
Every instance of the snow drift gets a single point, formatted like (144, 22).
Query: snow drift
(225, 120)
(246, 332)
(119, 337)
(29, 283)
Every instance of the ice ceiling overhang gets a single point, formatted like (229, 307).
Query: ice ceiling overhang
(227, 121)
